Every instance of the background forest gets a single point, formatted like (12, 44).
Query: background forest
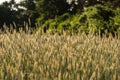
(95, 16)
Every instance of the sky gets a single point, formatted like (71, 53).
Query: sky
(1, 1)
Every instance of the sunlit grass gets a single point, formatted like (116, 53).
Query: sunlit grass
(53, 57)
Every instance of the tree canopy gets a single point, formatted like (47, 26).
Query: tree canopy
(32, 12)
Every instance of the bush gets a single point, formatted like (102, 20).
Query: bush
(116, 19)
(96, 19)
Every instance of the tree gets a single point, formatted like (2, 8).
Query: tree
(30, 11)
(80, 4)
(48, 9)
(6, 14)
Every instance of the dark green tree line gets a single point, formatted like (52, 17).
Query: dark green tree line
(31, 12)
(48, 9)
(6, 13)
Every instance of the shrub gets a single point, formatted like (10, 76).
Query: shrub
(116, 19)
(96, 19)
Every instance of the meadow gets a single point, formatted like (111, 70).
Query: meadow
(59, 57)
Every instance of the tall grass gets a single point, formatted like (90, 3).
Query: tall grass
(64, 57)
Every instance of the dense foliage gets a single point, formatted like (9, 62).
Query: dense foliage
(71, 15)
(96, 19)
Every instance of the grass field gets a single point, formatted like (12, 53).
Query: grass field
(53, 57)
